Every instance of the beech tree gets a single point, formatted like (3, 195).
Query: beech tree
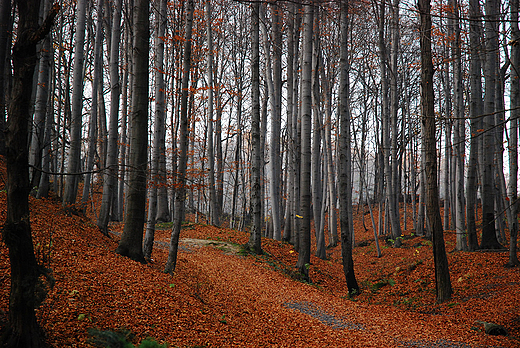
(254, 243)
(180, 196)
(345, 198)
(23, 330)
(73, 167)
(304, 250)
(131, 241)
(442, 273)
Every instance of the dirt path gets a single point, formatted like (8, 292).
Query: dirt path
(279, 311)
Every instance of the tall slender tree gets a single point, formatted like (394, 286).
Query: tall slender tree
(255, 242)
(180, 196)
(131, 241)
(442, 273)
(159, 127)
(489, 237)
(73, 167)
(513, 137)
(110, 176)
(304, 251)
(344, 155)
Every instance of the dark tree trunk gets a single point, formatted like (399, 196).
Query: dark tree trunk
(345, 199)
(442, 273)
(254, 243)
(132, 237)
(23, 330)
(5, 28)
(180, 197)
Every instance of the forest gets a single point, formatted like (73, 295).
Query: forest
(304, 135)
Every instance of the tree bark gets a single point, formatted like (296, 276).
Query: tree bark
(475, 107)
(110, 177)
(98, 62)
(23, 329)
(513, 135)
(72, 179)
(304, 255)
(345, 199)
(159, 129)
(489, 238)
(254, 243)
(180, 196)
(442, 273)
(132, 237)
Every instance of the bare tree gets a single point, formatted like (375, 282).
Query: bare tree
(23, 330)
(180, 196)
(442, 273)
(254, 243)
(513, 137)
(131, 241)
(110, 177)
(71, 180)
(304, 251)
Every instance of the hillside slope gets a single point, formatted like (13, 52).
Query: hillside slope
(221, 298)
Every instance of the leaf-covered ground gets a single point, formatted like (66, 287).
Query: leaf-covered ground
(220, 297)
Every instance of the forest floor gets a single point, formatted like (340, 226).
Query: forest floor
(220, 296)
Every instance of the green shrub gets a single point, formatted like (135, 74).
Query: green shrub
(118, 339)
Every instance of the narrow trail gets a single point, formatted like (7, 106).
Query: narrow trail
(287, 313)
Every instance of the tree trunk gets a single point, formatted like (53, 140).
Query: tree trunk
(41, 105)
(92, 131)
(489, 238)
(475, 108)
(213, 218)
(180, 196)
(393, 185)
(442, 274)
(345, 199)
(159, 128)
(254, 243)
(513, 135)
(460, 130)
(6, 24)
(132, 237)
(304, 255)
(72, 179)
(23, 329)
(110, 178)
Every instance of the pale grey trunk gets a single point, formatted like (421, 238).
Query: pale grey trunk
(159, 128)
(180, 197)
(126, 95)
(305, 163)
(513, 136)
(289, 230)
(41, 105)
(503, 207)
(213, 216)
(110, 176)
(475, 108)
(92, 132)
(460, 129)
(489, 239)
(73, 167)
(331, 177)
(394, 105)
(316, 175)
(296, 131)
